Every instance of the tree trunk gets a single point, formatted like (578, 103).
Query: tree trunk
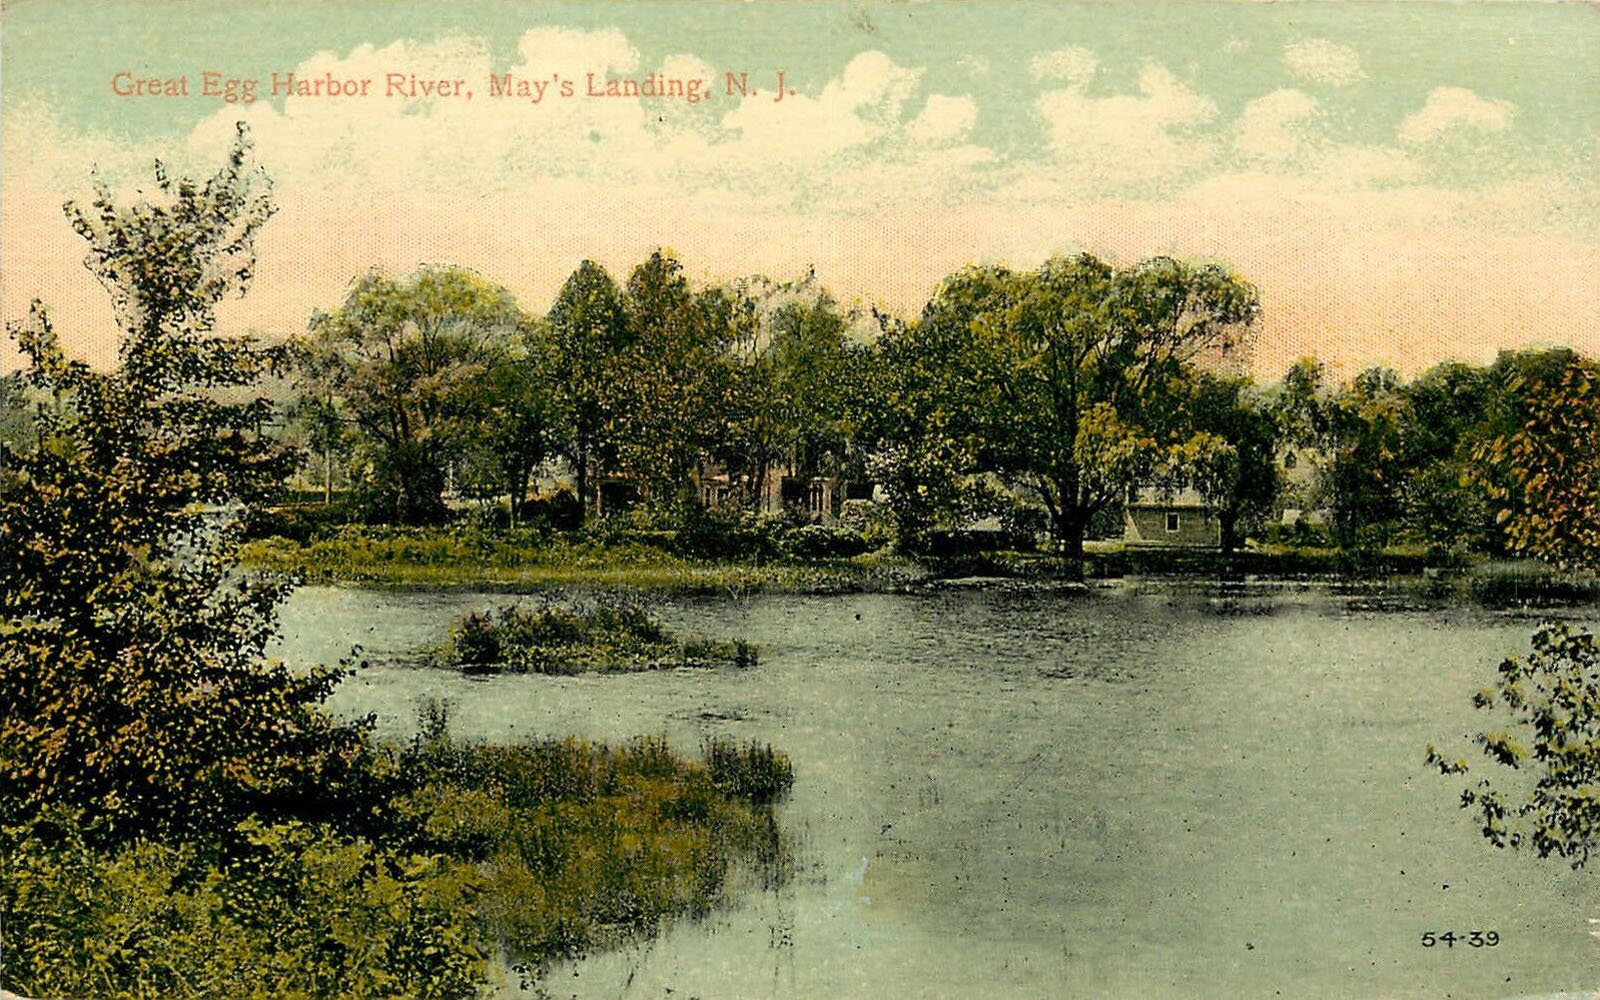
(1229, 524)
(582, 462)
(1069, 529)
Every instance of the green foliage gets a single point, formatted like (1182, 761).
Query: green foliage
(132, 685)
(423, 367)
(297, 911)
(1545, 474)
(1068, 380)
(674, 377)
(588, 335)
(1553, 698)
(606, 635)
(1240, 479)
(584, 845)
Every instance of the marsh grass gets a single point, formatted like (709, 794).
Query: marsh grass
(583, 845)
(605, 635)
(540, 851)
(468, 557)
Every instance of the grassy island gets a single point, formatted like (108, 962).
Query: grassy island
(604, 636)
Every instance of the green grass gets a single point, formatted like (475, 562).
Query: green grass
(540, 851)
(606, 635)
(476, 559)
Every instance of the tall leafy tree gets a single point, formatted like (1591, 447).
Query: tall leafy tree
(1240, 480)
(674, 376)
(587, 334)
(787, 405)
(1545, 476)
(1443, 504)
(1070, 379)
(409, 360)
(133, 687)
(518, 418)
(1370, 423)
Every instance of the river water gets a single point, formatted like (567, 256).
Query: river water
(1126, 793)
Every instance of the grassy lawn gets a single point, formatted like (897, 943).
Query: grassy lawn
(477, 559)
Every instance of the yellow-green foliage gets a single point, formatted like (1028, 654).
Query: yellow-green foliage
(444, 557)
(295, 911)
(582, 844)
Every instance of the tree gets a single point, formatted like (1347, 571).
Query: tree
(518, 419)
(325, 431)
(1546, 477)
(1369, 424)
(787, 399)
(588, 333)
(409, 359)
(1240, 481)
(674, 376)
(1442, 503)
(1545, 474)
(1068, 380)
(132, 682)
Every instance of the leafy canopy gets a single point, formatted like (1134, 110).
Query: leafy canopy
(132, 679)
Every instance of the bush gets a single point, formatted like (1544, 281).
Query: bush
(814, 541)
(295, 911)
(872, 521)
(561, 511)
(606, 635)
(718, 535)
(301, 522)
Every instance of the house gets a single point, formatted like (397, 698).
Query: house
(1180, 520)
(817, 497)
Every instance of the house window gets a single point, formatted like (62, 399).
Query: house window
(1172, 520)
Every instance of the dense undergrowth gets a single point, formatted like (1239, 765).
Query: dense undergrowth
(458, 852)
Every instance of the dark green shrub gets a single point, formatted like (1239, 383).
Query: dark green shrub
(754, 771)
(561, 511)
(815, 541)
(552, 639)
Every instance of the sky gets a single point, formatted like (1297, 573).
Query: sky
(1404, 182)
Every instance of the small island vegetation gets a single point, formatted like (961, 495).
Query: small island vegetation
(603, 636)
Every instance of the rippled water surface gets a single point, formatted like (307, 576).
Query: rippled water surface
(1118, 794)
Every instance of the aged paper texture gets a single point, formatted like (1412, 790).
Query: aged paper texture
(1001, 498)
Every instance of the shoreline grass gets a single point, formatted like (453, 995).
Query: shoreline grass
(472, 559)
(607, 635)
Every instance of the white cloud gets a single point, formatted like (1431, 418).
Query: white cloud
(944, 119)
(1271, 127)
(1126, 138)
(1452, 108)
(869, 177)
(1072, 66)
(1318, 60)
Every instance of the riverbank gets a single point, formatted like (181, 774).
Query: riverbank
(475, 559)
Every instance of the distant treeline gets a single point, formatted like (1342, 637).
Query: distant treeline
(1044, 398)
